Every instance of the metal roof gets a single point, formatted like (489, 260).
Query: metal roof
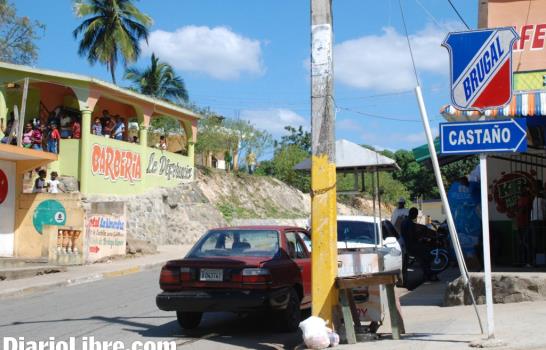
(349, 155)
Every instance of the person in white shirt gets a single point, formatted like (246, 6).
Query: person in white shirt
(53, 186)
(399, 212)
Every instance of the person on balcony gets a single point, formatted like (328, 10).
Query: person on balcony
(96, 129)
(37, 137)
(105, 118)
(66, 130)
(76, 129)
(107, 129)
(162, 145)
(53, 139)
(119, 128)
(27, 136)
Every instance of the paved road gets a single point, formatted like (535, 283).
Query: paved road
(124, 309)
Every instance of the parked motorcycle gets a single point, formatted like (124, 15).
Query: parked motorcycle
(435, 237)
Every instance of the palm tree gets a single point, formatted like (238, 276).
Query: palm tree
(158, 80)
(110, 32)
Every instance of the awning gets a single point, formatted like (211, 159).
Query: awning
(350, 156)
(523, 104)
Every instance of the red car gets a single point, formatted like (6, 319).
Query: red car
(240, 269)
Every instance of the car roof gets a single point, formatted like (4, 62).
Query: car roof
(362, 218)
(260, 227)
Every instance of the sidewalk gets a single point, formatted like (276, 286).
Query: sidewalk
(93, 272)
(430, 326)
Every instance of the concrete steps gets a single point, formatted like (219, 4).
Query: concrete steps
(6, 263)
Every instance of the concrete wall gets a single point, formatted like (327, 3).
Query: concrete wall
(35, 210)
(7, 207)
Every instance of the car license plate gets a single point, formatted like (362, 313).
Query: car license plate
(212, 275)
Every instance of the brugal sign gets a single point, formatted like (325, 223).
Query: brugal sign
(163, 166)
(484, 136)
(481, 67)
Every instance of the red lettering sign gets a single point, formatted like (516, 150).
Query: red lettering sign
(531, 36)
(115, 164)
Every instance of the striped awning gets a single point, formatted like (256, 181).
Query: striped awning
(523, 104)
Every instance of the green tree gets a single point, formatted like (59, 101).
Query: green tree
(110, 31)
(297, 137)
(282, 167)
(246, 137)
(158, 80)
(18, 36)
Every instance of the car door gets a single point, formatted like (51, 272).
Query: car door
(298, 252)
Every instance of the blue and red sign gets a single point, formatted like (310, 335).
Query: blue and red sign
(481, 67)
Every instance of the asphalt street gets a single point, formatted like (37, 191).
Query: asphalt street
(124, 309)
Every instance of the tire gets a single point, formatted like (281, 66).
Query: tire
(439, 261)
(189, 320)
(289, 319)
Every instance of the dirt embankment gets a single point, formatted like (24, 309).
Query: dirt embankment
(182, 214)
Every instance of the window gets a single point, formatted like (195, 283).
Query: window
(237, 243)
(295, 246)
(357, 232)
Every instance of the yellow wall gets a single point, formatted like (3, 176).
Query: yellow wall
(28, 241)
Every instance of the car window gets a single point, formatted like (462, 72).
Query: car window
(295, 247)
(389, 230)
(356, 231)
(237, 243)
(306, 240)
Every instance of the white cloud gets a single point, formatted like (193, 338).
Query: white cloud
(217, 52)
(274, 119)
(383, 63)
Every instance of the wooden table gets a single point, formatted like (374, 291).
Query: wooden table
(348, 306)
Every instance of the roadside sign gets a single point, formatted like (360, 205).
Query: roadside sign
(508, 135)
(481, 67)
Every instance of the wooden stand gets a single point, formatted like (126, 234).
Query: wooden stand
(348, 307)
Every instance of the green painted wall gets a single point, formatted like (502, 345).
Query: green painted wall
(70, 150)
(123, 168)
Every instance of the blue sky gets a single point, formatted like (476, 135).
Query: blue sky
(249, 59)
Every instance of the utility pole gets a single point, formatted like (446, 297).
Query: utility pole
(323, 168)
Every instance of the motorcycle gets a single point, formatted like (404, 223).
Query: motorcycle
(435, 238)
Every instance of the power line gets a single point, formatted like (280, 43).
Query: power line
(409, 44)
(458, 14)
(429, 14)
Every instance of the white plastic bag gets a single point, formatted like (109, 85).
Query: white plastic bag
(315, 333)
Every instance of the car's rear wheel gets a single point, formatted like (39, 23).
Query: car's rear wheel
(289, 319)
(189, 320)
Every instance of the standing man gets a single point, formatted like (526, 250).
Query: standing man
(251, 162)
(399, 213)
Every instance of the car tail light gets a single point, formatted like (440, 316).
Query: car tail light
(186, 274)
(256, 276)
(169, 275)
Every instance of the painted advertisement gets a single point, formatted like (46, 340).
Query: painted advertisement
(513, 194)
(106, 236)
(465, 202)
(529, 20)
(115, 164)
(160, 164)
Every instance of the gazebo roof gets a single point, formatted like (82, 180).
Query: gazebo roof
(349, 155)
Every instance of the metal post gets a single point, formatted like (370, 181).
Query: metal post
(486, 249)
(443, 196)
(323, 168)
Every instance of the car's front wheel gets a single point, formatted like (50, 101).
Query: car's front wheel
(289, 319)
(189, 320)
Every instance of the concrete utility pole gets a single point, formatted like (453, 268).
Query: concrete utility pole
(323, 168)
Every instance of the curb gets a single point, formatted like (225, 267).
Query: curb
(19, 292)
